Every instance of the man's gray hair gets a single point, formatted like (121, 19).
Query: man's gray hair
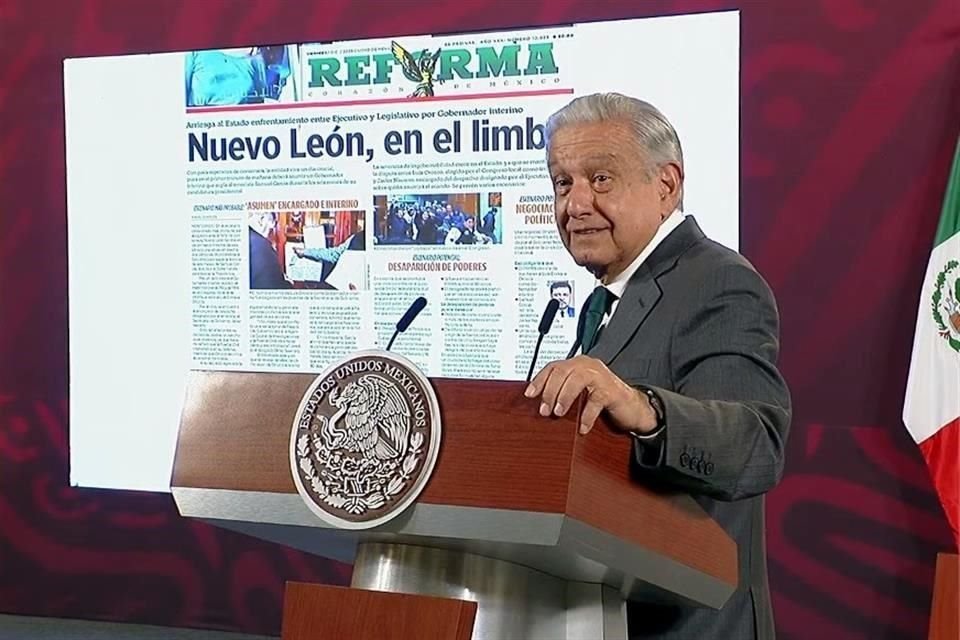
(652, 132)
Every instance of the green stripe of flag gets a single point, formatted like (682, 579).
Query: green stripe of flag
(950, 215)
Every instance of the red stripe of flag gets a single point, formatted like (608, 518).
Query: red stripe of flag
(942, 452)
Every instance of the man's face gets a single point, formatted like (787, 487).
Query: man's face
(562, 295)
(607, 206)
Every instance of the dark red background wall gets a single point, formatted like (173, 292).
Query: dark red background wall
(850, 113)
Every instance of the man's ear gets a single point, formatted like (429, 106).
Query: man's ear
(670, 182)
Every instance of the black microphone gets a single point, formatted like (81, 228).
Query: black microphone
(407, 318)
(545, 323)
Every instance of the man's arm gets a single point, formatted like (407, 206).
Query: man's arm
(330, 254)
(728, 418)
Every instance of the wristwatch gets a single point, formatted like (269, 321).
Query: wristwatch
(657, 405)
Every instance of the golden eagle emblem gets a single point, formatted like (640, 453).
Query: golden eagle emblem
(417, 69)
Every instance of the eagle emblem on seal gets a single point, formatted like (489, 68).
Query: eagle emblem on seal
(376, 419)
(365, 440)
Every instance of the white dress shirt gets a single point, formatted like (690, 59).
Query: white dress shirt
(619, 284)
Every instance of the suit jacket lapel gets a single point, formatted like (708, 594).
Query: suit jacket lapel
(639, 298)
(643, 292)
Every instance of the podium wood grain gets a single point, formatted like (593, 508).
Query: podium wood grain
(318, 612)
(484, 459)
(496, 453)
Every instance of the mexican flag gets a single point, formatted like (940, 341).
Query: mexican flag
(931, 410)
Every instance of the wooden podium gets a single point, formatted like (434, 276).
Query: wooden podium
(542, 528)
(944, 617)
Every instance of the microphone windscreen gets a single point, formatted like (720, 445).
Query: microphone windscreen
(548, 315)
(411, 313)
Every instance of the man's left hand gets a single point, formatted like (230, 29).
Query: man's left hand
(561, 383)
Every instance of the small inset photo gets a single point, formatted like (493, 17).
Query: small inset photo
(450, 219)
(245, 76)
(562, 292)
(312, 249)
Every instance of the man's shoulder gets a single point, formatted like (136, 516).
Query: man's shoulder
(707, 252)
(715, 270)
(711, 263)
(257, 241)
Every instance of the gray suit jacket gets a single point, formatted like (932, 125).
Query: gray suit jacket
(699, 326)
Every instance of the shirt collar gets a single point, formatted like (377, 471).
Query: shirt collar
(619, 284)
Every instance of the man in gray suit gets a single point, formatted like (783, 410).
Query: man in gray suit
(679, 345)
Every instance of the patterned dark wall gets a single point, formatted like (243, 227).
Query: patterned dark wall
(850, 112)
